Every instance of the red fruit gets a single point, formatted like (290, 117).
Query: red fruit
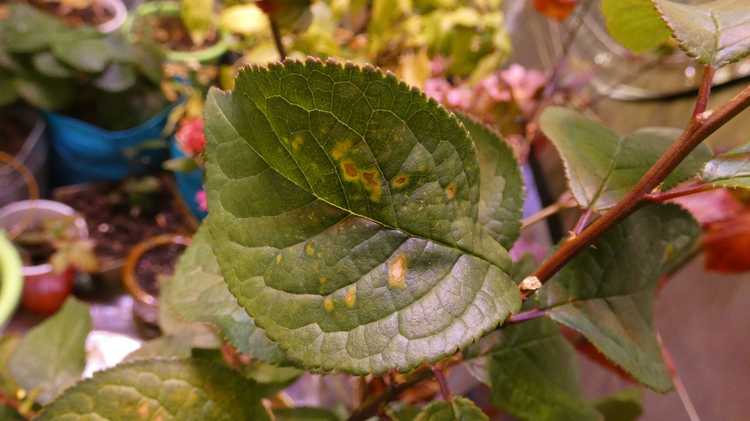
(46, 292)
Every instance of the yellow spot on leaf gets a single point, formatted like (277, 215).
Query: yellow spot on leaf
(323, 280)
(450, 191)
(328, 304)
(297, 141)
(350, 299)
(310, 249)
(397, 272)
(279, 258)
(351, 173)
(371, 182)
(143, 410)
(342, 146)
(400, 181)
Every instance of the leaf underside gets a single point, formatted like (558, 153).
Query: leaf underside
(606, 292)
(731, 169)
(345, 218)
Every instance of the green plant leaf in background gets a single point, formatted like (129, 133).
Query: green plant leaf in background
(82, 50)
(185, 390)
(635, 24)
(624, 405)
(345, 218)
(48, 65)
(28, 30)
(8, 92)
(714, 32)
(606, 292)
(534, 374)
(52, 356)
(43, 92)
(601, 166)
(198, 293)
(457, 409)
(198, 18)
(731, 169)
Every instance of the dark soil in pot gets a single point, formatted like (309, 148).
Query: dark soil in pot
(116, 223)
(94, 15)
(170, 32)
(13, 132)
(156, 263)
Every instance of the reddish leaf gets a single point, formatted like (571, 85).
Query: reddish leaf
(555, 9)
(711, 206)
(727, 245)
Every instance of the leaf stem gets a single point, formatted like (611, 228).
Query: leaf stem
(525, 316)
(675, 193)
(440, 377)
(583, 221)
(278, 42)
(704, 92)
(564, 202)
(696, 132)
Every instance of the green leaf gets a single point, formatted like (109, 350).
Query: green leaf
(304, 414)
(162, 347)
(273, 378)
(28, 30)
(624, 405)
(45, 93)
(48, 65)
(82, 50)
(345, 216)
(198, 293)
(502, 193)
(457, 409)
(731, 169)
(291, 14)
(715, 32)
(116, 78)
(606, 292)
(601, 166)
(534, 374)
(635, 24)
(185, 390)
(198, 18)
(52, 356)
(9, 414)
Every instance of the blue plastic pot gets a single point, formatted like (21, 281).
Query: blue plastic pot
(188, 183)
(85, 153)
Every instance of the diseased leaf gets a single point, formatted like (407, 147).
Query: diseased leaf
(52, 356)
(457, 409)
(731, 169)
(624, 405)
(606, 292)
(635, 24)
(198, 293)
(715, 32)
(601, 166)
(502, 193)
(184, 390)
(345, 211)
(534, 375)
(304, 414)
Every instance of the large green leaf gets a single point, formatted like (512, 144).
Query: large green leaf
(198, 293)
(601, 166)
(731, 169)
(501, 197)
(534, 375)
(52, 356)
(345, 217)
(179, 390)
(606, 292)
(28, 30)
(457, 409)
(635, 24)
(715, 32)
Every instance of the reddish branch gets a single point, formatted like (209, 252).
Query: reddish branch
(696, 132)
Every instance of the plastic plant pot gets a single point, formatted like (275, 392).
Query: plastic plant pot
(32, 157)
(119, 15)
(172, 8)
(188, 183)
(44, 291)
(11, 279)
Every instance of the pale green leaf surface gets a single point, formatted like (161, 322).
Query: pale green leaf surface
(48, 65)
(162, 347)
(606, 292)
(344, 211)
(28, 30)
(534, 375)
(83, 51)
(601, 166)
(731, 169)
(169, 390)
(198, 293)
(198, 18)
(624, 405)
(714, 32)
(457, 409)
(52, 356)
(635, 24)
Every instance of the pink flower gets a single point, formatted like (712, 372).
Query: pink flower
(200, 199)
(190, 136)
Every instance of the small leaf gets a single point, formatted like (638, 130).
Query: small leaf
(48, 65)
(82, 50)
(457, 409)
(731, 169)
(52, 356)
(715, 32)
(601, 166)
(116, 78)
(534, 374)
(624, 405)
(606, 292)
(198, 293)
(304, 414)
(345, 209)
(635, 24)
(161, 389)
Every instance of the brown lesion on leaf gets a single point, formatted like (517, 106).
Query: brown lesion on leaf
(400, 181)
(350, 171)
(450, 191)
(310, 249)
(350, 299)
(328, 304)
(279, 258)
(297, 142)
(371, 182)
(341, 148)
(397, 272)
(323, 280)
